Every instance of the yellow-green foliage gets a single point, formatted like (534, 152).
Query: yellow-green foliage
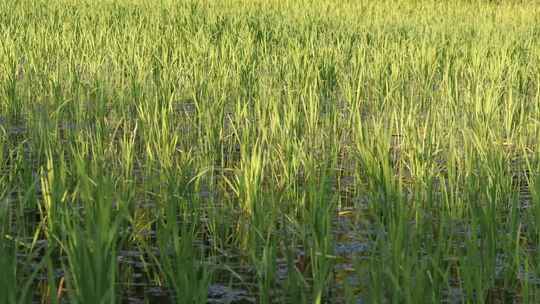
(264, 126)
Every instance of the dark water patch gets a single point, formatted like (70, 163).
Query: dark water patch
(220, 294)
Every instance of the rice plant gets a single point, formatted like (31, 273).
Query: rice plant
(269, 151)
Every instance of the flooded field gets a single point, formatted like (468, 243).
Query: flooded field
(269, 151)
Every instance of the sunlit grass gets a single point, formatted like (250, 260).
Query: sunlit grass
(222, 144)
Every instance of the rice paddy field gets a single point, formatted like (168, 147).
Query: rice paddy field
(278, 151)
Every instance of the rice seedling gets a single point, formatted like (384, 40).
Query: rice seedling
(182, 263)
(8, 260)
(90, 236)
(207, 151)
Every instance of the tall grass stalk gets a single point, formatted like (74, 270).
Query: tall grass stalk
(238, 133)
